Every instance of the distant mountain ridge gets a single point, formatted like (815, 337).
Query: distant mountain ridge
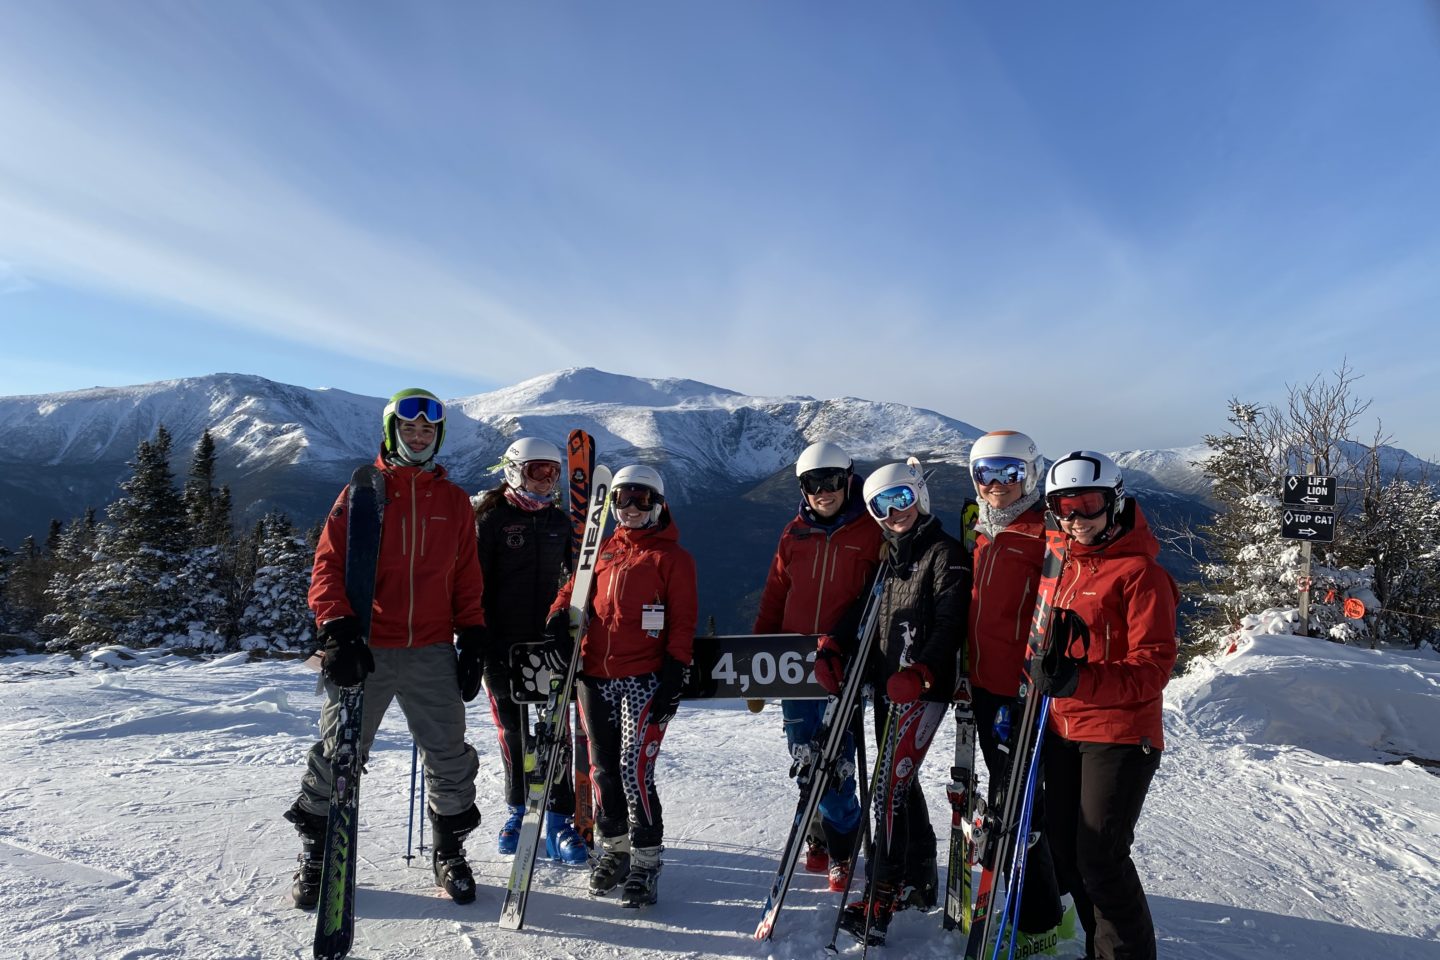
(723, 454)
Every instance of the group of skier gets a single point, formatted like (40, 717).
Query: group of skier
(487, 579)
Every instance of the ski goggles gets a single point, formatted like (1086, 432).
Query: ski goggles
(1085, 504)
(412, 408)
(634, 495)
(824, 480)
(541, 471)
(899, 497)
(1005, 470)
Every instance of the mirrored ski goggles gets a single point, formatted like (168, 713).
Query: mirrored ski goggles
(411, 408)
(1006, 470)
(900, 497)
(634, 495)
(824, 480)
(541, 471)
(1086, 504)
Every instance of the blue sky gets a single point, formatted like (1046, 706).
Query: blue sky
(1095, 222)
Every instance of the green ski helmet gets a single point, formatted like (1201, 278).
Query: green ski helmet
(411, 404)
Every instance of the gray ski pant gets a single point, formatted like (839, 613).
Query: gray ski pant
(424, 680)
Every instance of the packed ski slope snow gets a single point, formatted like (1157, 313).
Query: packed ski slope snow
(140, 817)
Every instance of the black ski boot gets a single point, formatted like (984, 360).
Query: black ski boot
(921, 889)
(612, 866)
(305, 891)
(452, 872)
(642, 887)
(878, 909)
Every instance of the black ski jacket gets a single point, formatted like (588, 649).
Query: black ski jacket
(525, 558)
(925, 608)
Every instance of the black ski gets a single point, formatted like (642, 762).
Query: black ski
(335, 916)
(814, 777)
(551, 757)
(959, 882)
(1000, 826)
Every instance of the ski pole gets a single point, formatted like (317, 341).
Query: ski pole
(410, 823)
(886, 762)
(867, 789)
(1010, 912)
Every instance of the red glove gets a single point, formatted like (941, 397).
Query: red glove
(905, 686)
(829, 664)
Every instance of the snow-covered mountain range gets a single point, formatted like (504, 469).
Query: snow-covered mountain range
(723, 454)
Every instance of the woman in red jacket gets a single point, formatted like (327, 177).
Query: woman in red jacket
(426, 644)
(1009, 547)
(633, 657)
(1105, 676)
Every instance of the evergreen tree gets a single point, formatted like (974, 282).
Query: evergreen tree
(25, 586)
(7, 558)
(74, 554)
(206, 509)
(277, 615)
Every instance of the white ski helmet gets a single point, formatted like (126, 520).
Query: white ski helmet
(822, 455)
(897, 475)
(639, 475)
(523, 451)
(1011, 444)
(1087, 470)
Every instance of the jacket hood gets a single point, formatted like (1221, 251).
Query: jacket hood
(405, 469)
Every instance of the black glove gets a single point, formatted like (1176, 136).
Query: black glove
(667, 694)
(558, 648)
(470, 649)
(1057, 674)
(347, 660)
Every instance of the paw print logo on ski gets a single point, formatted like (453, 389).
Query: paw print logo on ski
(534, 675)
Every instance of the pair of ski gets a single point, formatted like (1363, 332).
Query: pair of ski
(1000, 829)
(551, 753)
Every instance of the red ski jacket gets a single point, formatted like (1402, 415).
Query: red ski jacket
(817, 573)
(1007, 577)
(1128, 601)
(638, 568)
(427, 582)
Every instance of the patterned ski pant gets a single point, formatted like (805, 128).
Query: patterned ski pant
(903, 834)
(624, 746)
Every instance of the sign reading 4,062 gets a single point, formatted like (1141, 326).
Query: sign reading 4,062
(755, 666)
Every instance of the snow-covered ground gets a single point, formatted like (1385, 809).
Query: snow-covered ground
(140, 817)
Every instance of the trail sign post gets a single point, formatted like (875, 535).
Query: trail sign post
(1306, 491)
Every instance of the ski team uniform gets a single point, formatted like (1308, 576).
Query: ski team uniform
(923, 618)
(1104, 743)
(1007, 579)
(524, 555)
(819, 570)
(620, 656)
(428, 584)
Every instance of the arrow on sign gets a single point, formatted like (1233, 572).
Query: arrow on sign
(1309, 499)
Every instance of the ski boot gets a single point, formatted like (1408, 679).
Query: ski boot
(841, 847)
(510, 833)
(839, 875)
(921, 888)
(452, 872)
(562, 842)
(612, 866)
(877, 911)
(642, 887)
(817, 857)
(305, 890)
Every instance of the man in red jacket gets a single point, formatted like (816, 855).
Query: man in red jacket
(1112, 652)
(428, 590)
(826, 558)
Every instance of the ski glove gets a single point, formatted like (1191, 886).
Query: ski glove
(667, 694)
(829, 664)
(1058, 673)
(347, 660)
(557, 650)
(906, 685)
(470, 644)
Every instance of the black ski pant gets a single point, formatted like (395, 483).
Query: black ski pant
(904, 836)
(1040, 906)
(624, 748)
(1095, 793)
(512, 727)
